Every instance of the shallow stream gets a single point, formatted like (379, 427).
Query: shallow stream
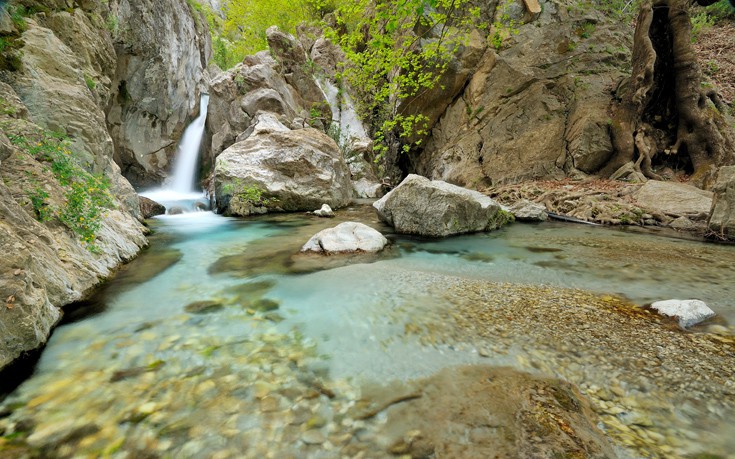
(220, 342)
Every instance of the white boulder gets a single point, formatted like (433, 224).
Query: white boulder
(345, 238)
(325, 211)
(687, 312)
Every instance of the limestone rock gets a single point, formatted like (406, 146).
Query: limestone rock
(324, 211)
(675, 199)
(150, 208)
(536, 108)
(526, 210)
(292, 56)
(259, 84)
(435, 208)
(346, 237)
(686, 312)
(722, 216)
(365, 188)
(297, 170)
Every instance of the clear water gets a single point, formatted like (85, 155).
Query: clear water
(144, 365)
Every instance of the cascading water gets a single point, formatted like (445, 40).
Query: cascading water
(344, 115)
(179, 193)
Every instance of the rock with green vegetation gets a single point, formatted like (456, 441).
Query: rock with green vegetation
(279, 81)
(346, 237)
(437, 209)
(63, 229)
(295, 170)
(722, 217)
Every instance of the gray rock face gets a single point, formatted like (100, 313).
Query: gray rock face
(526, 210)
(435, 208)
(345, 238)
(722, 217)
(536, 108)
(298, 170)
(44, 266)
(162, 52)
(675, 199)
(264, 83)
(150, 208)
(686, 312)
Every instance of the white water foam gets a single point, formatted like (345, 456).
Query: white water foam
(180, 191)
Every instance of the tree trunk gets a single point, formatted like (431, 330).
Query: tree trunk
(663, 116)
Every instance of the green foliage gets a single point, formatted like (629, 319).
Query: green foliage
(39, 201)
(504, 25)
(87, 195)
(18, 15)
(251, 193)
(397, 51)
(246, 21)
(701, 22)
(112, 23)
(91, 84)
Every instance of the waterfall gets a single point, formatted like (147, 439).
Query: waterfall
(183, 176)
(344, 115)
(179, 193)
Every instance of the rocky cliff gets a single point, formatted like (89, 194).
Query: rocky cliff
(83, 83)
(535, 105)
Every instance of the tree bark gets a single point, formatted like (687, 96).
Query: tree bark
(663, 115)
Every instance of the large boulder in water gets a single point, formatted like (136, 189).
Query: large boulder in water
(436, 208)
(722, 218)
(295, 170)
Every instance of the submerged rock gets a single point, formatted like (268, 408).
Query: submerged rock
(150, 208)
(203, 307)
(345, 238)
(686, 312)
(722, 218)
(483, 411)
(436, 208)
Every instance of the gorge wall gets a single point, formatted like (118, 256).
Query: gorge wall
(86, 88)
(536, 103)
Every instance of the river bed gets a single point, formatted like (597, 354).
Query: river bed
(238, 348)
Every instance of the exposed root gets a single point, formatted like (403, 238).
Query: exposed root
(600, 201)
